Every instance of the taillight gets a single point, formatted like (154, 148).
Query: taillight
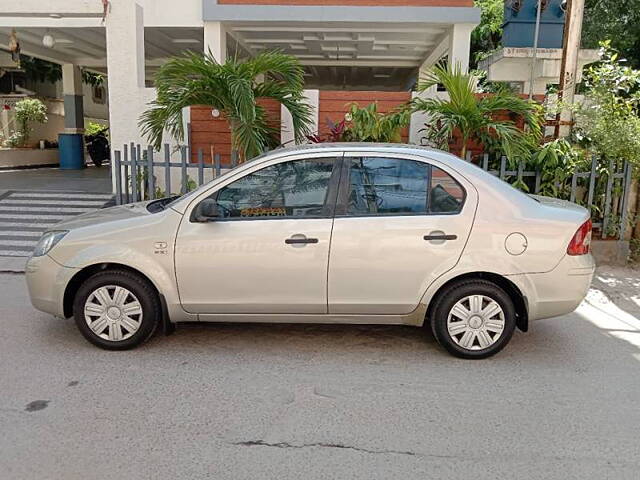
(581, 241)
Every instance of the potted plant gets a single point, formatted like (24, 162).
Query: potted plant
(487, 120)
(27, 111)
(232, 88)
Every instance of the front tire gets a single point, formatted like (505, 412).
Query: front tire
(116, 309)
(473, 319)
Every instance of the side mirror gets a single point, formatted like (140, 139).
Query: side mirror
(205, 211)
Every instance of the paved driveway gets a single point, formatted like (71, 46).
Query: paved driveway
(25, 215)
(33, 200)
(322, 402)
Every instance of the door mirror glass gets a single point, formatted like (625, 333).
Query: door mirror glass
(206, 211)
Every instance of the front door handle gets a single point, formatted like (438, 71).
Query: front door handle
(440, 236)
(300, 240)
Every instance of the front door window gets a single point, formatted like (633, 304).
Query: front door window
(296, 189)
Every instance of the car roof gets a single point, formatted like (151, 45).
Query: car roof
(342, 146)
(476, 175)
(461, 166)
(481, 179)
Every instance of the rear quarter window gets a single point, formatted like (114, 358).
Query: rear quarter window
(446, 195)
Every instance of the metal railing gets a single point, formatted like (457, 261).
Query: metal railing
(136, 168)
(605, 192)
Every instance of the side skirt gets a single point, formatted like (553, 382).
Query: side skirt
(415, 318)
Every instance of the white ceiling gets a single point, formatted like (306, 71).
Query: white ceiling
(343, 44)
(87, 46)
(340, 55)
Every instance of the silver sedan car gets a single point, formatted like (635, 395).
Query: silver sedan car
(335, 233)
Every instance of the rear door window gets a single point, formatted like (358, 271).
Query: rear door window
(382, 186)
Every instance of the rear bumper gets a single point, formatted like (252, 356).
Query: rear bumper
(559, 291)
(47, 281)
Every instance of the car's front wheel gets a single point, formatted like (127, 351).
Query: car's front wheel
(116, 309)
(473, 319)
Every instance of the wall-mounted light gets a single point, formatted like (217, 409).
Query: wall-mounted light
(215, 113)
(48, 40)
(562, 9)
(516, 6)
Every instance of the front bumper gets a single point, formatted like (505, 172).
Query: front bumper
(559, 291)
(46, 282)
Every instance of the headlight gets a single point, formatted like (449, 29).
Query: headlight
(47, 242)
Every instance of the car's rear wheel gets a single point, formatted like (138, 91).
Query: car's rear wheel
(473, 319)
(116, 309)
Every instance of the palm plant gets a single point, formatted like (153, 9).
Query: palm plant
(477, 118)
(368, 125)
(232, 88)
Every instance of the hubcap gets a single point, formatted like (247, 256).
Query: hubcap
(113, 313)
(476, 322)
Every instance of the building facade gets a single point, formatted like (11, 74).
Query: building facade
(375, 46)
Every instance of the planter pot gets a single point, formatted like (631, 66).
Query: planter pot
(27, 157)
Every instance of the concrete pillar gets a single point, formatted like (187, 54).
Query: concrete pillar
(215, 40)
(460, 45)
(72, 94)
(128, 97)
(312, 98)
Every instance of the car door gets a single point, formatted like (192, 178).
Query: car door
(400, 223)
(267, 252)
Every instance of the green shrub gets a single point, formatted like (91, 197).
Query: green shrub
(27, 111)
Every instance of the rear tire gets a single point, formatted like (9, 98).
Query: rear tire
(116, 309)
(473, 319)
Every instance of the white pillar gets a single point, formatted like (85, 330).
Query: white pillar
(312, 98)
(71, 79)
(128, 97)
(73, 98)
(460, 45)
(215, 40)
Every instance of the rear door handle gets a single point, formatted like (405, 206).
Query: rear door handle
(440, 236)
(300, 240)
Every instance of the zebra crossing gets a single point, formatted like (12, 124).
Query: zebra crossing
(25, 215)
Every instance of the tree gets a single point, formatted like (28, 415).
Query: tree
(617, 20)
(486, 37)
(44, 71)
(608, 120)
(232, 88)
(477, 117)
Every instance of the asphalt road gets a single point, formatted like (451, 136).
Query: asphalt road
(321, 402)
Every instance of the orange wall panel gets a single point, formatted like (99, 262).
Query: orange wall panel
(334, 104)
(209, 133)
